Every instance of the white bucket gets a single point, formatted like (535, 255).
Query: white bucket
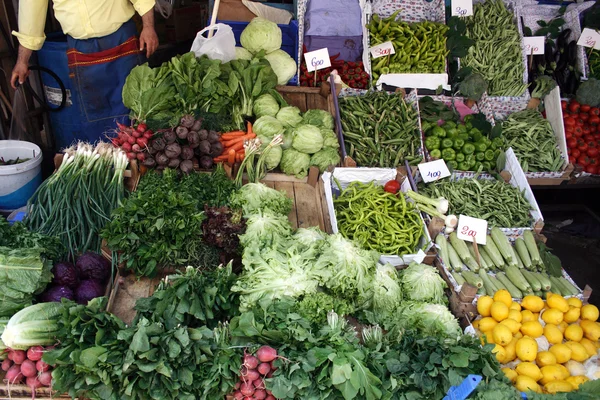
(19, 182)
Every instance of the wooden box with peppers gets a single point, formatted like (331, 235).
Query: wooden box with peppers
(352, 73)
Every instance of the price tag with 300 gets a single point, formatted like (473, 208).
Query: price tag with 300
(472, 229)
(462, 8)
(589, 38)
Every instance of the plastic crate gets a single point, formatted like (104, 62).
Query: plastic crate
(289, 39)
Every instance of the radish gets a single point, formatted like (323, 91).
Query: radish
(248, 398)
(6, 364)
(136, 134)
(273, 367)
(10, 354)
(18, 356)
(131, 156)
(126, 147)
(131, 140)
(237, 395)
(270, 397)
(250, 361)
(148, 134)
(141, 156)
(142, 142)
(46, 378)
(259, 384)
(35, 353)
(247, 389)
(260, 394)
(116, 142)
(14, 375)
(264, 368)
(136, 148)
(28, 368)
(122, 127)
(41, 366)
(252, 375)
(34, 383)
(141, 128)
(237, 385)
(266, 354)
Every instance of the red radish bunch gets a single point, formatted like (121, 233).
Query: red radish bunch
(27, 366)
(133, 140)
(255, 368)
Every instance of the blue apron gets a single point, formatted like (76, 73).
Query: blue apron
(98, 68)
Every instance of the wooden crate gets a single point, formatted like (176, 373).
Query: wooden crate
(131, 175)
(566, 177)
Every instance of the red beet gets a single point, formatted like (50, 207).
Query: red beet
(270, 397)
(260, 394)
(28, 368)
(46, 378)
(33, 382)
(247, 389)
(252, 375)
(266, 354)
(14, 375)
(237, 395)
(18, 356)
(259, 384)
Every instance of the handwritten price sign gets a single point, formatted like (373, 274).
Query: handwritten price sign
(534, 45)
(318, 59)
(382, 50)
(589, 38)
(434, 170)
(472, 229)
(462, 8)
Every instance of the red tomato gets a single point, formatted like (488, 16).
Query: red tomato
(593, 161)
(592, 169)
(563, 104)
(594, 120)
(575, 153)
(593, 152)
(574, 106)
(584, 116)
(595, 111)
(583, 160)
(585, 108)
(569, 121)
(572, 143)
(578, 131)
(583, 147)
(586, 130)
(573, 160)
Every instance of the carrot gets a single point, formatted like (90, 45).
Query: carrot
(250, 132)
(236, 146)
(231, 157)
(239, 157)
(231, 142)
(232, 135)
(221, 158)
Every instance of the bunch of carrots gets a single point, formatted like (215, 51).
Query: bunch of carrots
(233, 145)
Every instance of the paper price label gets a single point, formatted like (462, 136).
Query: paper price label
(433, 170)
(534, 44)
(462, 8)
(472, 229)
(317, 59)
(382, 50)
(589, 38)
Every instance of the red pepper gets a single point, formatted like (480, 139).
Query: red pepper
(392, 186)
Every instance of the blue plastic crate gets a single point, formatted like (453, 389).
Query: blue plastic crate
(289, 39)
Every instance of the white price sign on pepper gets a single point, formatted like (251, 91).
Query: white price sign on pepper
(462, 8)
(472, 229)
(318, 59)
(382, 50)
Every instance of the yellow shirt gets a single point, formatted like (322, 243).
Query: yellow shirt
(81, 19)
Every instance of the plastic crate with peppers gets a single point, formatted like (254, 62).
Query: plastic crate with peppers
(352, 73)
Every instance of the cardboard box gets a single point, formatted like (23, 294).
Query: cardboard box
(185, 22)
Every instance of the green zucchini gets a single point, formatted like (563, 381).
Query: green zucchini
(494, 253)
(482, 262)
(532, 247)
(455, 263)
(497, 283)
(461, 248)
(483, 253)
(443, 244)
(472, 279)
(519, 262)
(556, 286)
(512, 289)
(532, 280)
(543, 278)
(516, 277)
(487, 283)
(503, 245)
(538, 293)
(482, 291)
(523, 254)
(569, 286)
(458, 278)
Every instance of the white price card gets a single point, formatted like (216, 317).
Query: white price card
(472, 229)
(317, 59)
(589, 38)
(382, 50)
(534, 44)
(433, 170)
(462, 8)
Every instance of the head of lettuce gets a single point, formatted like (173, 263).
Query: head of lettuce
(307, 139)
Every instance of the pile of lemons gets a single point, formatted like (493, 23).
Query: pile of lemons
(569, 327)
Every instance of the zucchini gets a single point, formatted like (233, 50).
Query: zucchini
(512, 289)
(482, 262)
(569, 286)
(461, 248)
(458, 278)
(516, 277)
(538, 293)
(543, 278)
(497, 283)
(455, 263)
(556, 286)
(472, 279)
(532, 280)
(503, 245)
(519, 262)
(483, 253)
(532, 247)
(487, 283)
(522, 252)
(442, 243)
(492, 250)
(481, 291)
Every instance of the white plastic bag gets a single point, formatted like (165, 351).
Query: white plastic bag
(219, 47)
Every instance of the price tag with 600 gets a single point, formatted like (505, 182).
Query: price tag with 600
(472, 229)
(317, 59)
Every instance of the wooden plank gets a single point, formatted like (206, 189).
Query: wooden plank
(288, 188)
(306, 207)
(324, 208)
(316, 101)
(127, 290)
(280, 177)
(270, 184)
(296, 100)
(319, 200)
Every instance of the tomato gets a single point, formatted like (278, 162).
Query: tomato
(574, 107)
(572, 143)
(575, 153)
(593, 152)
(586, 130)
(594, 120)
(589, 140)
(569, 121)
(578, 131)
(584, 116)
(573, 160)
(593, 161)
(595, 111)
(585, 108)
(592, 169)
(563, 104)
(583, 147)
(583, 160)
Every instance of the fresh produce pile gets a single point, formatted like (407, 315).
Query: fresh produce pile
(419, 47)
(532, 138)
(380, 130)
(543, 345)
(497, 57)
(498, 202)
(367, 214)
(352, 73)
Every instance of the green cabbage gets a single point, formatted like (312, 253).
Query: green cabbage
(295, 163)
(330, 139)
(265, 105)
(267, 126)
(288, 137)
(273, 157)
(289, 116)
(320, 118)
(422, 282)
(242, 54)
(324, 158)
(387, 293)
(283, 65)
(307, 139)
(255, 197)
(261, 34)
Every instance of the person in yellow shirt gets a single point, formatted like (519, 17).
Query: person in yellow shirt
(102, 49)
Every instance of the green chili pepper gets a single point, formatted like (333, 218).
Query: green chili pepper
(480, 146)
(458, 144)
(448, 154)
(460, 157)
(447, 143)
(437, 154)
(432, 143)
(489, 155)
(480, 156)
(468, 148)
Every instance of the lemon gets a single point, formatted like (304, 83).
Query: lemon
(572, 315)
(484, 303)
(558, 302)
(529, 369)
(591, 330)
(564, 370)
(511, 324)
(515, 315)
(499, 311)
(532, 303)
(552, 316)
(500, 354)
(526, 348)
(526, 316)
(532, 328)
(553, 334)
(545, 358)
(487, 324)
(510, 350)
(518, 335)
(576, 381)
(574, 302)
(578, 352)
(502, 334)
(589, 312)
(489, 337)
(551, 373)
(524, 383)
(562, 352)
(574, 332)
(558, 386)
(562, 327)
(514, 306)
(503, 296)
(510, 374)
(589, 346)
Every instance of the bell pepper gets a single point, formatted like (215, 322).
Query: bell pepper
(437, 154)
(448, 154)
(476, 134)
(452, 165)
(426, 126)
(497, 143)
(452, 132)
(469, 125)
(489, 155)
(463, 136)
(477, 166)
(458, 144)
(468, 118)
(447, 143)
(480, 146)
(487, 165)
(471, 160)
(432, 143)
(439, 132)
(461, 128)
(480, 156)
(449, 124)
(468, 148)
(463, 166)
(460, 157)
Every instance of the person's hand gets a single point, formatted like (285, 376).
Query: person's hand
(20, 72)
(149, 40)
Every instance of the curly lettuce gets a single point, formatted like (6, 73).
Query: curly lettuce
(422, 282)
(254, 197)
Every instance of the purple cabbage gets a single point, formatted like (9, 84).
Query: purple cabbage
(55, 293)
(88, 290)
(65, 274)
(93, 266)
